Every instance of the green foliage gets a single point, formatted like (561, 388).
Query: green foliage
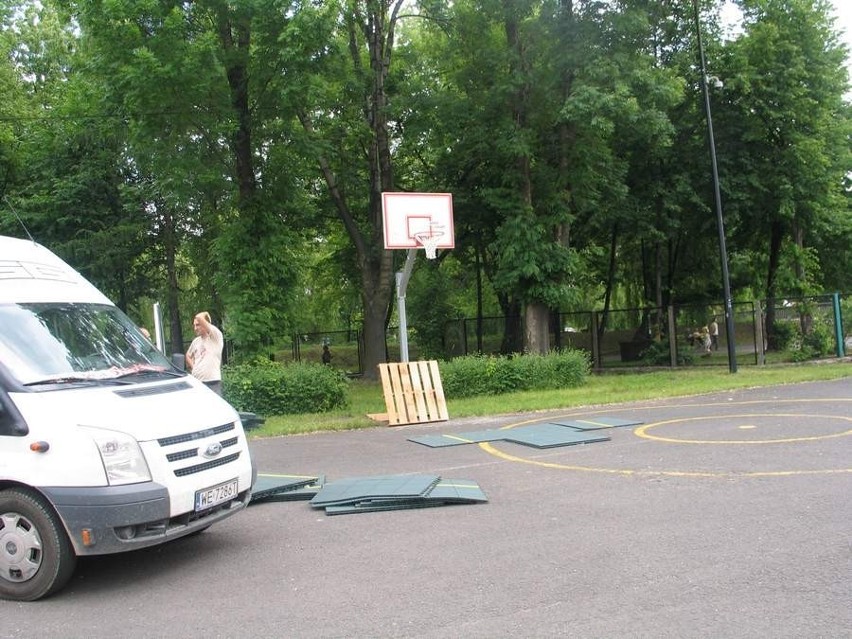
(820, 339)
(483, 375)
(658, 354)
(268, 388)
(429, 309)
(784, 180)
(570, 134)
(257, 278)
(786, 334)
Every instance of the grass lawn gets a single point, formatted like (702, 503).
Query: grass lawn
(607, 388)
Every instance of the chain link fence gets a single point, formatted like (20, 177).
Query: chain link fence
(786, 330)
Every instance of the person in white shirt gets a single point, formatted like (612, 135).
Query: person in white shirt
(204, 357)
(714, 335)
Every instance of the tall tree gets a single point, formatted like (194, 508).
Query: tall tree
(195, 82)
(785, 105)
(71, 166)
(347, 121)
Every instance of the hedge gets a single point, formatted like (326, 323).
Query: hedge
(493, 375)
(270, 388)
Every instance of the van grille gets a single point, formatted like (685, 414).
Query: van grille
(200, 468)
(194, 452)
(199, 434)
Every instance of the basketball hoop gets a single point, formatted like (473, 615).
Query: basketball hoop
(429, 240)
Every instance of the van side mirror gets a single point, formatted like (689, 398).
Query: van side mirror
(11, 422)
(179, 361)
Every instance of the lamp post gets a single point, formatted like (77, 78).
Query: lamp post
(717, 194)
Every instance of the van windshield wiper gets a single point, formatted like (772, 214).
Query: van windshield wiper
(146, 370)
(75, 379)
(111, 377)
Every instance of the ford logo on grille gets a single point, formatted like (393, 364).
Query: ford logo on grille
(212, 450)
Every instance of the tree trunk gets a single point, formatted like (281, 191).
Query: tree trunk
(536, 328)
(172, 290)
(513, 340)
(478, 299)
(776, 234)
(536, 314)
(610, 280)
(235, 37)
(376, 298)
(806, 318)
(374, 262)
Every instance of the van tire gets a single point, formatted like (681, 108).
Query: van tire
(29, 527)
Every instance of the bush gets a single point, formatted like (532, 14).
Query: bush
(659, 354)
(269, 388)
(820, 341)
(485, 375)
(786, 334)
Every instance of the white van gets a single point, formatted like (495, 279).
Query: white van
(104, 445)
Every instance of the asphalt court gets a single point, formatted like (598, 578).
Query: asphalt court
(734, 434)
(788, 430)
(720, 515)
(749, 437)
(761, 432)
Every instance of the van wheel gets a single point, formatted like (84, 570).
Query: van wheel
(36, 556)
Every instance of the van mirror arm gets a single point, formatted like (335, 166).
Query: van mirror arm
(179, 361)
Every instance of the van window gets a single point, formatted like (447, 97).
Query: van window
(56, 342)
(11, 422)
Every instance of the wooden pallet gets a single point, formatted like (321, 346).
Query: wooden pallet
(413, 392)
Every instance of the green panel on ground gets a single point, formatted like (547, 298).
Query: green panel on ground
(458, 491)
(542, 435)
(269, 486)
(596, 423)
(436, 441)
(472, 437)
(445, 492)
(383, 486)
(304, 493)
(550, 436)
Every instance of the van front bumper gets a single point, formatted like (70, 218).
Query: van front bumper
(111, 519)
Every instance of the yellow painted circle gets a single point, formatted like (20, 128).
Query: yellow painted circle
(642, 431)
(491, 450)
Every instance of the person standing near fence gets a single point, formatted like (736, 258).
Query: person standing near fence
(204, 357)
(714, 334)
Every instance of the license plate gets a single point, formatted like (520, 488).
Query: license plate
(214, 495)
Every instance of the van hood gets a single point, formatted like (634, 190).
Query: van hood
(144, 411)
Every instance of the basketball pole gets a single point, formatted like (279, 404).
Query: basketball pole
(717, 196)
(402, 278)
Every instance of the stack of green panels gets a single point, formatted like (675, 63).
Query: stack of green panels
(270, 487)
(395, 492)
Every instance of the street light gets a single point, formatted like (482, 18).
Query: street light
(717, 194)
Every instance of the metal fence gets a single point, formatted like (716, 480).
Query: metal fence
(625, 338)
(345, 349)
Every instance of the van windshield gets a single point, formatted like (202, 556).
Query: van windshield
(57, 342)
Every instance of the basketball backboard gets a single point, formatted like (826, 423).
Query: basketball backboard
(414, 220)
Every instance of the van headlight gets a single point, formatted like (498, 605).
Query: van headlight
(123, 460)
